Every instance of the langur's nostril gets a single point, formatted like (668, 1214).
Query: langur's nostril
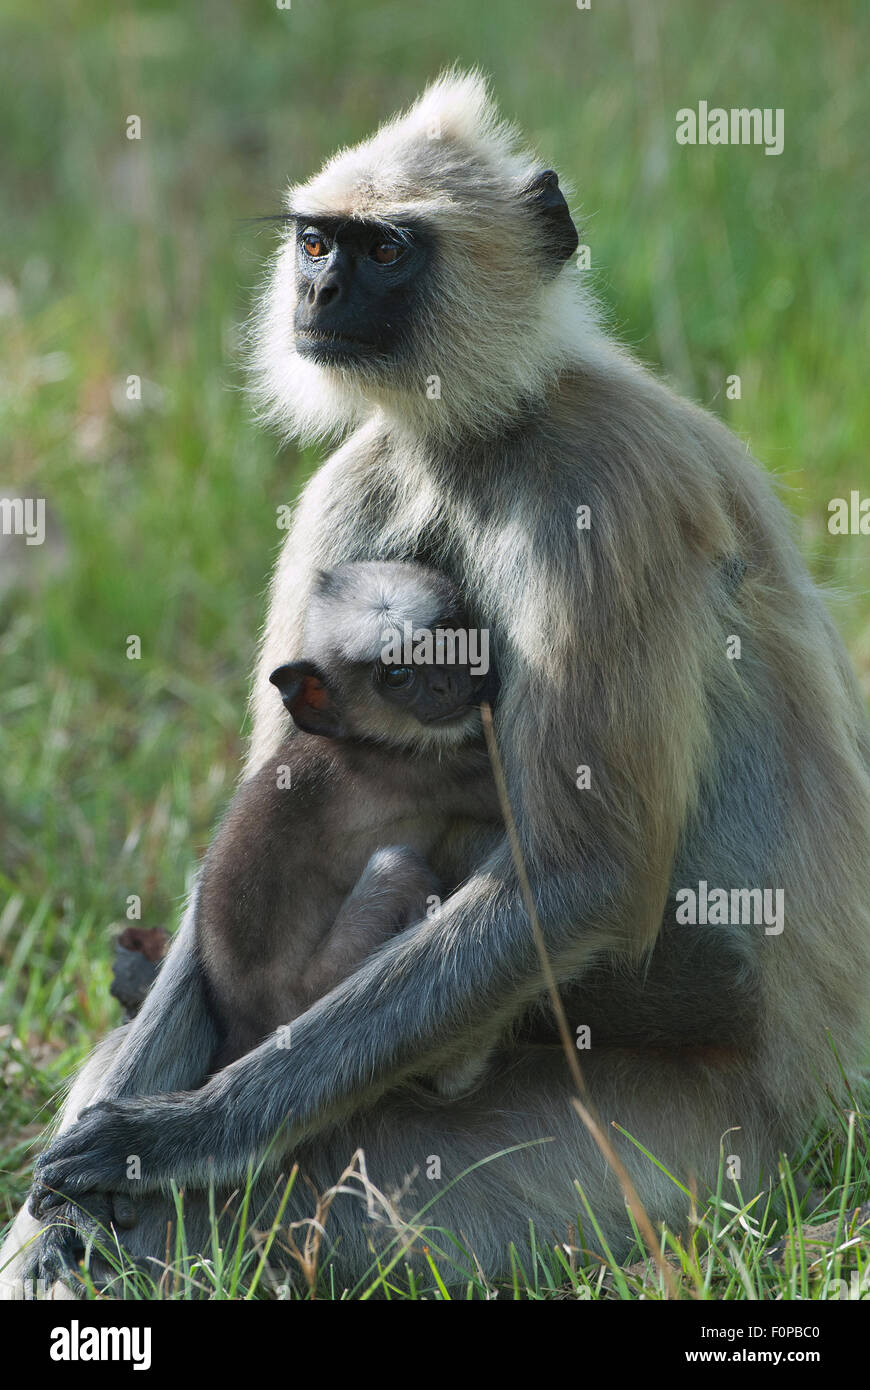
(324, 294)
(443, 684)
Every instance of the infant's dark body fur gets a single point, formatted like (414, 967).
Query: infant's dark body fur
(283, 915)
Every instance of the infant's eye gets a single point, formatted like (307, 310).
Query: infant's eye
(314, 245)
(387, 252)
(397, 676)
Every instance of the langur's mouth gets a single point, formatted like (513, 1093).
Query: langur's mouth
(453, 717)
(317, 343)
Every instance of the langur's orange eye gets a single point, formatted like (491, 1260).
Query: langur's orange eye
(314, 245)
(386, 252)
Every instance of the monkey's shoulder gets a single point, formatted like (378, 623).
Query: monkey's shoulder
(308, 775)
(275, 826)
(297, 778)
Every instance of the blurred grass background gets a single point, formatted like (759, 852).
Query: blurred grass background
(121, 258)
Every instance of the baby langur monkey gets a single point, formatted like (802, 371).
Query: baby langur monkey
(381, 800)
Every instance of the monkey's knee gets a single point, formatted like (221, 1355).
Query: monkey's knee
(18, 1256)
(402, 871)
(393, 861)
(21, 1275)
(461, 1078)
(86, 1086)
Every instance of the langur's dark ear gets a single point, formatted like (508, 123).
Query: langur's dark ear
(548, 201)
(309, 699)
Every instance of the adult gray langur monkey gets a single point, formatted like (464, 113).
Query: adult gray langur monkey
(425, 305)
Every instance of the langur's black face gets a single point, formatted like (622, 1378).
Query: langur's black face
(433, 694)
(358, 285)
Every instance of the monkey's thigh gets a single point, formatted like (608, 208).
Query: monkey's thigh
(485, 1166)
(448, 1166)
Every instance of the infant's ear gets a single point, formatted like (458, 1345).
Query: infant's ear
(307, 696)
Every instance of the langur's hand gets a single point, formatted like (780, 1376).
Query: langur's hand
(80, 1232)
(104, 1151)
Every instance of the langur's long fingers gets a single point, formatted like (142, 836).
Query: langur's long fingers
(44, 1201)
(34, 1201)
(42, 1198)
(60, 1185)
(61, 1248)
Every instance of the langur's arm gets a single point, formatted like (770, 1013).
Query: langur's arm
(171, 1041)
(390, 895)
(398, 1014)
(168, 1046)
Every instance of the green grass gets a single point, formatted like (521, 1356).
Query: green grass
(120, 258)
(739, 1248)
